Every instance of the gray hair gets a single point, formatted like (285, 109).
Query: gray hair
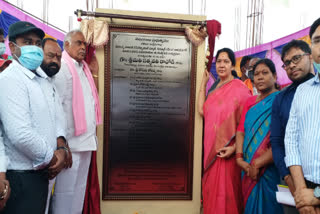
(253, 61)
(69, 35)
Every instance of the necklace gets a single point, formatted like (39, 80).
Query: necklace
(262, 96)
(221, 83)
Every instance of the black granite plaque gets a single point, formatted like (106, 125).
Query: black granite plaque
(149, 112)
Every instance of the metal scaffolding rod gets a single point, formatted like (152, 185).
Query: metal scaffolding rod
(255, 19)
(140, 18)
(41, 20)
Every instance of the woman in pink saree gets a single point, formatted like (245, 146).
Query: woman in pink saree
(221, 109)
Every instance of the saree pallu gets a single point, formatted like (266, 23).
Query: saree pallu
(259, 195)
(221, 183)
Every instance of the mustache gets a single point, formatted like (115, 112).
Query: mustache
(51, 68)
(53, 64)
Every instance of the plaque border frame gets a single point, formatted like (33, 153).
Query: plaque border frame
(106, 125)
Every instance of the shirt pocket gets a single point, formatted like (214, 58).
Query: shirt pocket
(38, 102)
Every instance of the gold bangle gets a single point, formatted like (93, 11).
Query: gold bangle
(94, 75)
(239, 155)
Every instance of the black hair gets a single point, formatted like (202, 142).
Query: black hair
(234, 73)
(244, 60)
(12, 39)
(1, 32)
(230, 55)
(313, 27)
(295, 44)
(43, 43)
(269, 64)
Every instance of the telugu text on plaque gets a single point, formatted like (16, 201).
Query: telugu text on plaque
(148, 149)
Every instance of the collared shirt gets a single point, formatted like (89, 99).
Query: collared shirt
(302, 133)
(3, 157)
(279, 118)
(63, 83)
(60, 116)
(28, 117)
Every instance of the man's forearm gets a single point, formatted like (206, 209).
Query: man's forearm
(2, 176)
(289, 181)
(264, 160)
(2, 185)
(297, 176)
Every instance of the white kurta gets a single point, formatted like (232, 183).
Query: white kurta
(3, 157)
(70, 184)
(61, 118)
(63, 83)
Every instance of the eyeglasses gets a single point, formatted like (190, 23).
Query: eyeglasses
(295, 59)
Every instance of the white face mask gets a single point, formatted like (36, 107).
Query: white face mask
(2, 48)
(247, 72)
(31, 56)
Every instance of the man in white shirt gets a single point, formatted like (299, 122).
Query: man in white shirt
(74, 83)
(4, 184)
(302, 135)
(28, 118)
(51, 65)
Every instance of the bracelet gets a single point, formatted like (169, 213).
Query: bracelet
(65, 149)
(94, 75)
(62, 147)
(5, 191)
(253, 164)
(239, 155)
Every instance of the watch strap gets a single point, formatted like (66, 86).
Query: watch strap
(316, 192)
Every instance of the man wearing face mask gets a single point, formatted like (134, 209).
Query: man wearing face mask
(4, 62)
(3, 46)
(250, 72)
(28, 118)
(244, 64)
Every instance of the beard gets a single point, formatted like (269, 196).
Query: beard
(50, 69)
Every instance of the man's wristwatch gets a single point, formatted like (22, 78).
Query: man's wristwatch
(65, 149)
(316, 192)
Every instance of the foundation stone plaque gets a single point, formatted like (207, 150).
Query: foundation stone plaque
(148, 115)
